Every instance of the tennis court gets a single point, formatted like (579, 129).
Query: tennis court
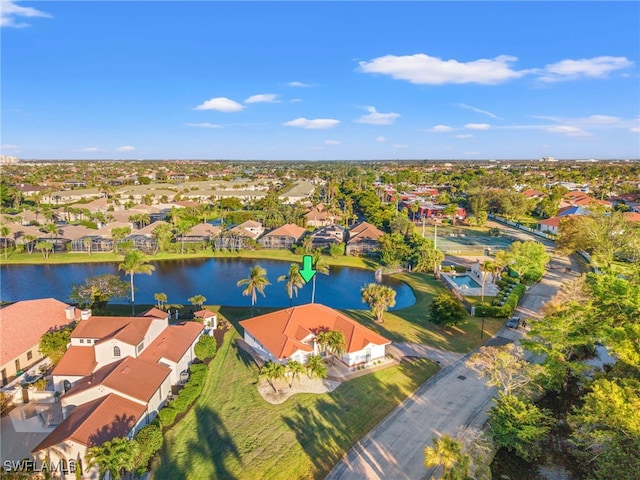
(467, 241)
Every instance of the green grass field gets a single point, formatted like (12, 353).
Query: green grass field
(231, 432)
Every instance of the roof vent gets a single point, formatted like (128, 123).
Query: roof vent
(70, 312)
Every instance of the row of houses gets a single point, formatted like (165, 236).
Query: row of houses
(115, 376)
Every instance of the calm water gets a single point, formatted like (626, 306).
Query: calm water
(465, 280)
(180, 279)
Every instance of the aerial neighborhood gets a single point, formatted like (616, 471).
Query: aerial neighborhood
(388, 273)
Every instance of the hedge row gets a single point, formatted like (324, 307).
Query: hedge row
(505, 310)
(186, 397)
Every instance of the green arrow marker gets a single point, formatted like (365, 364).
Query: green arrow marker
(307, 270)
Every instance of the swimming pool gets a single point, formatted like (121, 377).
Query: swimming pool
(465, 281)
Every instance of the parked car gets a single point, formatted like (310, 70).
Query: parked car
(513, 322)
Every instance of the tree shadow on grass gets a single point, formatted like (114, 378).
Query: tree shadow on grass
(213, 445)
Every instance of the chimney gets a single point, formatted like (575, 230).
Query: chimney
(85, 314)
(70, 313)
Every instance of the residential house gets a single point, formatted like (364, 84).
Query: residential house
(283, 237)
(327, 236)
(363, 238)
(249, 229)
(116, 375)
(21, 326)
(290, 334)
(200, 233)
(319, 216)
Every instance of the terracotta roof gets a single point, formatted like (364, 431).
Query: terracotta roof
(203, 229)
(173, 342)
(130, 330)
(154, 313)
(205, 314)
(23, 323)
(632, 216)
(288, 230)
(77, 361)
(553, 221)
(283, 332)
(364, 230)
(96, 422)
(130, 376)
(250, 224)
(148, 230)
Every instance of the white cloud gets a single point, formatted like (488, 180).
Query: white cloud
(424, 69)
(316, 123)
(635, 129)
(203, 125)
(478, 110)
(464, 135)
(300, 84)
(568, 130)
(597, 67)
(477, 126)
(441, 128)
(8, 146)
(221, 104)
(332, 142)
(296, 100)
(88, 149)
(9, 10)
(126, 148)
(398, 145)
(599, 120)
(263, 98)
(381, 139)
(376, 118)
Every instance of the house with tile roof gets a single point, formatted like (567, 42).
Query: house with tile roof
(283, 237)
(363, 238)
(290, 334)
(116, 375)
(319, 216)
(21, 326)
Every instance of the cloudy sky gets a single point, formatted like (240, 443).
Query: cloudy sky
(320, 80)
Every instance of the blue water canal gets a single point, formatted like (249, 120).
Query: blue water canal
(180, 279)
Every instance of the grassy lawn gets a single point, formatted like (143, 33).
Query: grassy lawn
(271, 254)
(411, 325)
(231, 432)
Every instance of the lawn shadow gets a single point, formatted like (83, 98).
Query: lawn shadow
(214, 446)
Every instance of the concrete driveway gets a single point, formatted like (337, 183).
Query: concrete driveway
(454, 397)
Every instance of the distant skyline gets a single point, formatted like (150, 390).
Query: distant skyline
(320, 80)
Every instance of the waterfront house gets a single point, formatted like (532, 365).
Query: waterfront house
(363, 238)
(282, 237)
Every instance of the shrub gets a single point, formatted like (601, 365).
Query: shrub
(149, 440)
(205, 348)
(460, 269)
(447, 268)
(186, 397)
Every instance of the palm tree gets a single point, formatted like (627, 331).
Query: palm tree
(336, 344)
(4, 233)
(113, 456)
(320, 266)
(322, 339)
(161, 298)
(316, 367)
(46, 248)
(182, 227)
(29, 242)
(294, 281)
(446, 453)
(197, 300)
(52, 229)
(88, 241)
(272, 371)
(295, 368)
(135, 262)
(380, 298)
(255, 282)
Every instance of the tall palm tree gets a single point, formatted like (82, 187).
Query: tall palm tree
(161, 298)
(29, 242)
(272, 371)
(316, 367)
(323, 339)
(113, 456)
(255, 283)
(380, 298)
(320, 266)
(135, 262)
(336, 344)
(4, 233)
(295, 368)
(197, 300)
(446, 453)
(294, 281)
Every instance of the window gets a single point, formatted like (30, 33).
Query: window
(29, 355)
(82, 340)
(140, 347)
(116, 351)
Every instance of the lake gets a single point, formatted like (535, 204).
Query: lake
(181, 279)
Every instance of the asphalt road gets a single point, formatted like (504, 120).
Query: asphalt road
(454, 397)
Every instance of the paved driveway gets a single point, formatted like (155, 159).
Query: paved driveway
(452, 398)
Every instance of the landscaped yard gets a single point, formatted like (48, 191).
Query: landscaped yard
(231, 432)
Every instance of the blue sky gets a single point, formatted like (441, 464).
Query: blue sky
(320, 80)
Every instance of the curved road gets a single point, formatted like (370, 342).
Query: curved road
(452, 398)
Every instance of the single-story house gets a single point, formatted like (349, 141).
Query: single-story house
(363, 238)
(282, 237)
(290, 334)
(326, 236)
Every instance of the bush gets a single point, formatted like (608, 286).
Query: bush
(205, 348)
(149, 441)
(186, 397)
(447, 268)
(460, 269)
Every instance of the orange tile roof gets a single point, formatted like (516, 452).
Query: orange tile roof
(77, 361)
(283, 332)
(632, 216)
(205, 314)
(154, 313)
(23, 323)
(130, 330)
(173, 342)
(96, 422)
(364, 230)
(288, 230)
(130, 376)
